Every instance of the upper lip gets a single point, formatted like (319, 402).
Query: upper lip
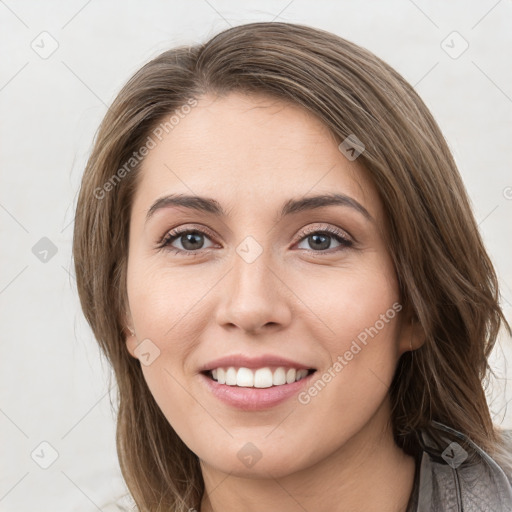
(241, 361)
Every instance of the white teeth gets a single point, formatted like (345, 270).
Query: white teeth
(301, 374)
(221, 376)
(260, 378)
(231, 376)
(279, 377)
(245, 378)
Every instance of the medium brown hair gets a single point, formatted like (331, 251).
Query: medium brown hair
(445, 276)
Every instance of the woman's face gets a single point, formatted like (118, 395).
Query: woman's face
(252, 278)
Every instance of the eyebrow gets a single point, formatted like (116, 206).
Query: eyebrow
(292, 206)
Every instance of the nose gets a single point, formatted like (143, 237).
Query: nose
(254, 297)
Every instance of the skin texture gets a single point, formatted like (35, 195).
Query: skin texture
(252, 154)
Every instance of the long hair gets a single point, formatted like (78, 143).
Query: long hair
(445, 276)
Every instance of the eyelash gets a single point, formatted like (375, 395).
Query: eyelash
(173, 235)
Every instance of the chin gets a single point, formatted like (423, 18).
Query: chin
(249, 461)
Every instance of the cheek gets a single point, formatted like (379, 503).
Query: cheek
(350, 303)
(357, 326)
(168, 308)
(165, 302)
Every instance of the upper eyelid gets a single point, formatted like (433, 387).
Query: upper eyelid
(178, 231)
(327, 228)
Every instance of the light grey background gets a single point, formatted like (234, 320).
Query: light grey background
(54, 386)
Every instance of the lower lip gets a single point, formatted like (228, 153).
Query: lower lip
(254, 399)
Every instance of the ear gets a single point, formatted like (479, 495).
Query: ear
(411, 334)
(130, 335)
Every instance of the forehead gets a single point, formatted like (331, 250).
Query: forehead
(251, 150)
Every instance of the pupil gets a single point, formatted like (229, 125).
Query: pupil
(189, 239)
(322, 245)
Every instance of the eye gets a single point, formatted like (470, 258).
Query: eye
(320, 239)
(191, 240)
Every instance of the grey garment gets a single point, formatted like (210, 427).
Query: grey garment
(451, 478)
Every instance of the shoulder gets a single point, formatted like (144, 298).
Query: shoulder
(503, 455)
(457, 474)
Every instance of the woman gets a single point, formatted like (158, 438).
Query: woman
(276, 253)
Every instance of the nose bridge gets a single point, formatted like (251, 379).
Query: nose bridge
(251, 268)
(253, 295)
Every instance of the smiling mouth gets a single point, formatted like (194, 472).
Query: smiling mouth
(264, 377)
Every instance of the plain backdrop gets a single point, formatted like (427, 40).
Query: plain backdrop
(62, 63)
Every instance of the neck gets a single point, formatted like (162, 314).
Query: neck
(369, 472)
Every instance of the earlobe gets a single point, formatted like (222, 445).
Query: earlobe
(417, 338)
(129, 334)
(131, 341)
(412, 336)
